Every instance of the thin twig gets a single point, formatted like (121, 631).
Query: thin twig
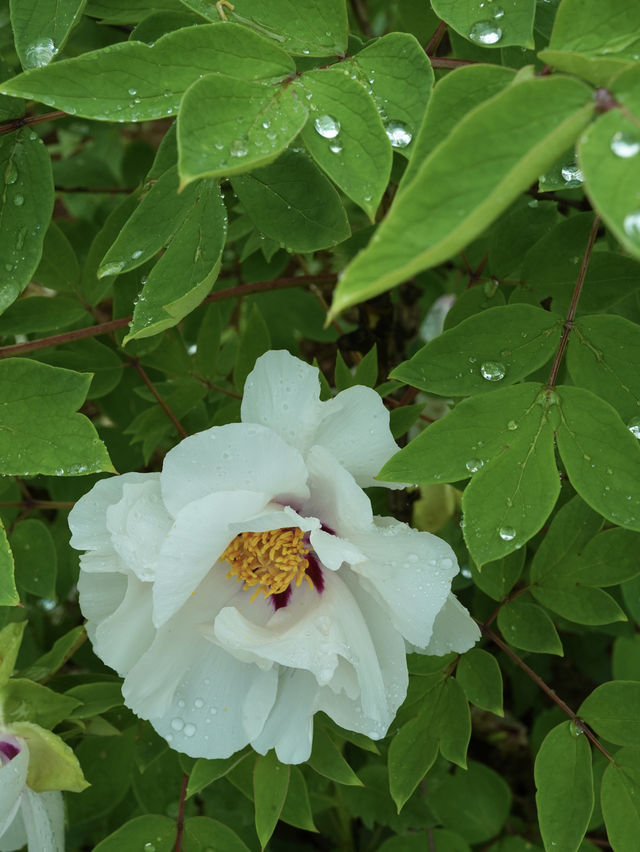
(19, 123)
(446, 62)
(360, 11)
(163, 405)
(96, 189)
(436, 38)
(214, 387)
(180, 821)
(575, 298)
(38, 504)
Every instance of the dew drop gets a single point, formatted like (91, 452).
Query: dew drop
(40, 53)
(136, 254)
(631, 224)
(498, 12)
(239, 148)
(11, 173)
(327, 126)
(18, 200)
(634, 427)
(133, 91)
(625, 144)
(189, 730)
(507, 533)
(572, 175)
(474, 465)
(398, 133)
(492, 371)
(335, 148)
(198, 703)
(485, 32)
(512, 425)
(177, 724)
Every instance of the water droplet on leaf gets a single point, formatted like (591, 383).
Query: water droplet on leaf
(239, 148)
(398, 133)
(485, 32)
(492, 371)
(327, 126)
(625, 144)
(634, 427)
(40, 53)
(507, 533)
(18, 200)
(474, 465)
(631, 224)
(572, 175)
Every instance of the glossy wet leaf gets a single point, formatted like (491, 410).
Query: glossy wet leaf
(497, 578)
(490, 24)
(40, 29)
(527, 626)
(564, 784)
(613, 711)
(35, 558)
(270, 785)
(412, 752)
(491, 156)
(26, 202)
(478, 673)
(621, 799)
(142, 832)
(131, 81)
(346, 137)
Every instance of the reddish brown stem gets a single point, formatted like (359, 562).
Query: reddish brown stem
(38, 504)
(436, 38)
(180, 820)
(18, 123)
(163, 405)
(446, 62)
(575, 298)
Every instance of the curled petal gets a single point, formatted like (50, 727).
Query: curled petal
(122, 637)
(453, 629)
(100, 596)
(87, 519)
(335, 496)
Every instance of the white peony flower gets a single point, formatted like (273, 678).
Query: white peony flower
(26, 817)
(249, 585)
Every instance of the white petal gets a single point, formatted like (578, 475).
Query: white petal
(275, 517)
(13, 777)
(87, 519)
(289, 728)
(334, 551)
(238, 456)
(138, 523)
(283, 393)
(43, 815)
(123, 637)
(102, 562)
(408, 572)
(335, 496)
(15, 837)
(453, 630)
(100, 595)
(197, 696)
(355, 430)
(200, 535)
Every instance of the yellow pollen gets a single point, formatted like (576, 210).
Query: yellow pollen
(270, 560)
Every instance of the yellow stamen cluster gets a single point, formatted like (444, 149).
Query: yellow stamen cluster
(270, 560)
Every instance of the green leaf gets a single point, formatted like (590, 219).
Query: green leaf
(159, 214)
(594, 38)
(202, 834)
(8, 592)
(87, 356)
(621, 799)
(95, 698)
(609, 169)
(564, 783)
(211, 140)
(613, 711)
(41, 314)
(412, 753)
(255, 341)
(454, 723)
(188, 268)
(572, 527)
(25, 209)
(39, 431)
(478, 673)
(58, 268)
(52, 764)
(345, 136)
(61, 650)
(270, 785)
(475, 803)
(107, 766)
(40, 29)
(397, 74)
(455, 95)
(292, 202)
(142, 832)
(205, 772)
(603, 355)
(327, 760)
(500, 345)
(490, 157)
(593, 442)
(297, 807)
(507, 24)
(496, 579)
(25, 700)
(35, 558)
(527, 626)
(131, 81)
(10, 641)
(625, 661)
(300, 26)
(582, 604)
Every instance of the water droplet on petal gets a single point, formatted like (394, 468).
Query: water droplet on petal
(189, 730)
(492, 371)
(474, 465)
(634, 427)
(507, 533)
(625, 144)
(572, 175)
(631, 224)
(485, 32)
(327, 126)
(199, 703)
(399, 134)
(177, 724)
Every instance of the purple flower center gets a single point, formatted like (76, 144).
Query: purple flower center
(9, 749)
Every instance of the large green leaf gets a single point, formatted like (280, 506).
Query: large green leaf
(25, 209)
(300, 26)
(527, 626)
(604, 356)
(292, 202)
(131, 81)
(202, 833)
(594, 38)
(142, 832)
(479, 169)
(609, 157)
(8, 591)
(499, 346)
(613, 711)
(39, 429)
(270, 785)
(621, 799)
(564, 784)
(601, 456)
(345, 136)
(488, 24)
(187, 270)
(413, 751)
(228, 126)
(479, 675)
(40, 29)
(34, 554)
